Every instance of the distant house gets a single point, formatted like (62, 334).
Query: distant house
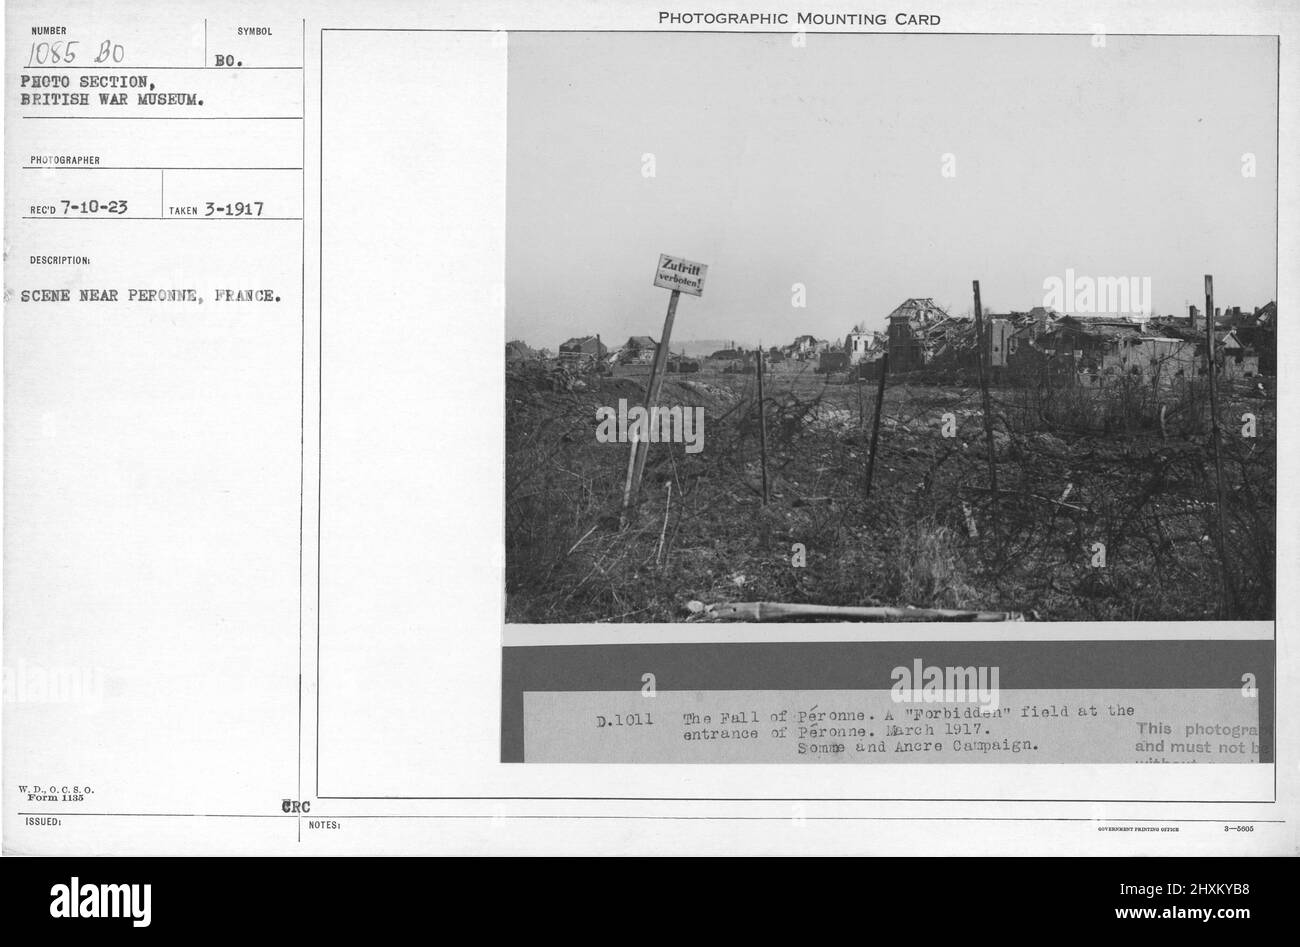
(1157, 360)
(734, 359)
(805, 347)
(1102, 350)
(856, 343)
(1027, 325)
(582, 349)
(1088, 339)
(864, 345)
(517, 351)
(638, 350)
(1020, 348)
(1039, 316)
(1235, 358)
(1258, 332)
(947, 342)
(922, 335)
(910, 335)
(802, 347)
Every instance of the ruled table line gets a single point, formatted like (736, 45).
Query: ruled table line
(170, 217)
(142, 167)
(171, 118)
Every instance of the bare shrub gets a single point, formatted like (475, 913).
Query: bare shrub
(928, 571)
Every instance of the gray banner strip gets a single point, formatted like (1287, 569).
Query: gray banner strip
(868, 665)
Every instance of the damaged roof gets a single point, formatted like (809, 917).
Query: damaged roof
(919, 309)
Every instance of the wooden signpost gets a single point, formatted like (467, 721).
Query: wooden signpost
(681, 276)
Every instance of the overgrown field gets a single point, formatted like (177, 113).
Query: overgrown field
(1106, 504)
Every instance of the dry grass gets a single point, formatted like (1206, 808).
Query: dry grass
(927, 570)
(1147, 497)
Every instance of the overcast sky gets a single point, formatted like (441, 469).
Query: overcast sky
(822, 165)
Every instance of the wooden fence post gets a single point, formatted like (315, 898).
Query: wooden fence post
(875, 423)
(981, 344)
(762, 422)
(1229, 586)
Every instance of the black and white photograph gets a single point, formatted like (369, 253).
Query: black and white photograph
(822, 326)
